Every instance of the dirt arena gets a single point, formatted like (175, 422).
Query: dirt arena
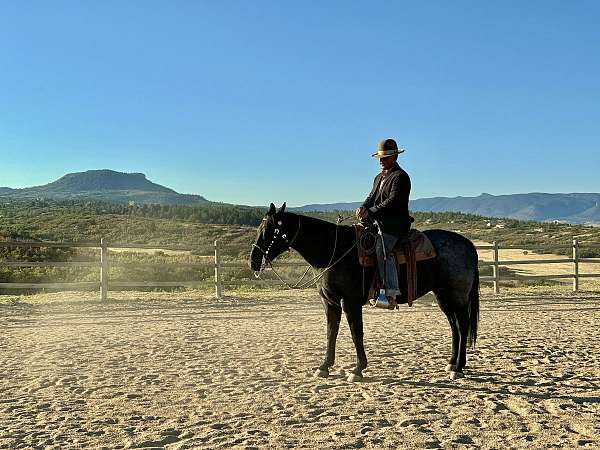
(185, 371)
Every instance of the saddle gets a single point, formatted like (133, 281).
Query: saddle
(415, 247)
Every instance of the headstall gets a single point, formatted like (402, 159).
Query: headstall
(278, 234)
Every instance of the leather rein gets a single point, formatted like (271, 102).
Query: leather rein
(277, 233)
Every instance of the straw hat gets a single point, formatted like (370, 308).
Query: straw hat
(387, 147)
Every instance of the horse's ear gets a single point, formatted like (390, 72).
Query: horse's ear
(271, 210)
(282, 209)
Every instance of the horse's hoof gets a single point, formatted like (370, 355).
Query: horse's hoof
(353, 378)
(450, 368)
(321, 373)
(456, 375)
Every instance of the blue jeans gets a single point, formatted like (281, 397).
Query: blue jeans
(387, 266)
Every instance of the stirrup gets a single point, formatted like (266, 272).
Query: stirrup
(382, 301)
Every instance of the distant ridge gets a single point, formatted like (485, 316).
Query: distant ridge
(327, 207)
(582, 208)
(105, 185)
(571, 208)
(118, 187)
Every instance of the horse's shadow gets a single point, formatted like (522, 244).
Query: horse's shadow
(473, 383)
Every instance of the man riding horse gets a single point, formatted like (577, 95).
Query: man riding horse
(387, 205)
(343, 282)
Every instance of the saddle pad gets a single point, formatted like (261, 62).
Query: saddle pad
(421, 244)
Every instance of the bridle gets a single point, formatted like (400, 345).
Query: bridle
(276, 234)
(297, 285)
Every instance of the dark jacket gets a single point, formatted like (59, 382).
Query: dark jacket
(389, 205)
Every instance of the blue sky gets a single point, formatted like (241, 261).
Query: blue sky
(253, 102)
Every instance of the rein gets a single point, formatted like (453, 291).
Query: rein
(309, 283)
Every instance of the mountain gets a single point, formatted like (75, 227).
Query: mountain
(329, 207)
(105, 185)
(572, 208)
(119, 187)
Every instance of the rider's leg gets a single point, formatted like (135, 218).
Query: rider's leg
(387, 267)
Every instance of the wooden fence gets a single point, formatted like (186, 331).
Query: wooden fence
(104, 284)
(575, 260)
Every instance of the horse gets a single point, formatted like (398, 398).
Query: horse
(343, 284)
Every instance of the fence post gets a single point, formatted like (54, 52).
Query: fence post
(217, 271)
(496, 269)
(575, 265)
(103, 270)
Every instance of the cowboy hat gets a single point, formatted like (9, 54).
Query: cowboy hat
(387, 147)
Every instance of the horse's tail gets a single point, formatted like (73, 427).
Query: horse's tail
(473, 309)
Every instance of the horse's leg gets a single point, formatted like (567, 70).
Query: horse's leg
(333, 313)
(443, 304)
(463, 330)
(461, 312)
(353, 311)
(451, 367)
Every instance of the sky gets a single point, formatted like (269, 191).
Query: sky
(270, 101)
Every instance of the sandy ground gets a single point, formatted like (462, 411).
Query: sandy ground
(185, 371)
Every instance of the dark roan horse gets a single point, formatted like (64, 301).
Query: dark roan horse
(343, 283)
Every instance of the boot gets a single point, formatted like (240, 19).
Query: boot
(383, 302)
(392, 302)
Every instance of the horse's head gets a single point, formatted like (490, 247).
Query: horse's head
(276, 234)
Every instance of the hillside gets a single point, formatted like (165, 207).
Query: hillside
(570, 208)
(105, 185)
(195, 228)
(125, 188)
(199, 226)
(328, 207)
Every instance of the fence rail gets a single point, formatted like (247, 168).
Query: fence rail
(104, 284)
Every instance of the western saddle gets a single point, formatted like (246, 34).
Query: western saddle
(415, 247)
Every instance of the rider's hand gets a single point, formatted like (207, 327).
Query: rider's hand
(362, 213)
(358, 212)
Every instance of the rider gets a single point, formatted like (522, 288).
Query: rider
(388, 205)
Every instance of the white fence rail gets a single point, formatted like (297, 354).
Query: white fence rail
(104, 284)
